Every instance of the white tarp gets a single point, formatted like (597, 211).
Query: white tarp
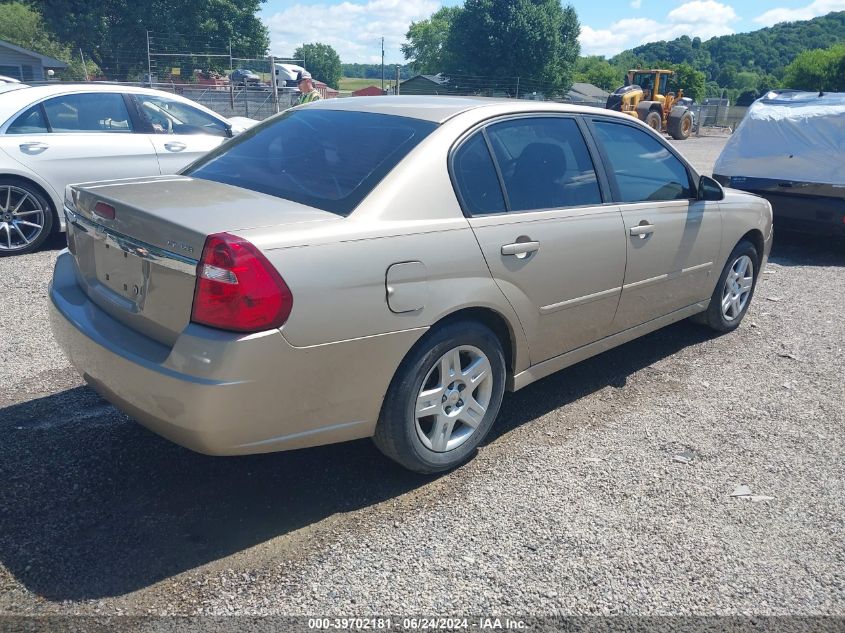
(796, 136)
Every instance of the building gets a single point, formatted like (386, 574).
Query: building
(369, 91)
(586, 94)
(24, 64)
(325, 91)
(425, 85)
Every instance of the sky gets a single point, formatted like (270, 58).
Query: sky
(355, 27)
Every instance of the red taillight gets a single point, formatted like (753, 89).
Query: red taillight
(237, 288)
(104, 210)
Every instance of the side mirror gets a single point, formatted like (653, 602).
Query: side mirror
(709, 189)
(229, 132)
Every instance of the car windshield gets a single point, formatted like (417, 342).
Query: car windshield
(327, 159)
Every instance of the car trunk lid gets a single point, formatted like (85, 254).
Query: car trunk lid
(140, 264)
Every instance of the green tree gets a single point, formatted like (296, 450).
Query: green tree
(597, 70)
(426, 42)
(22, 25)
(322, 61)
(113, 32)
(692, 82)
(819, 69)
(533, 39)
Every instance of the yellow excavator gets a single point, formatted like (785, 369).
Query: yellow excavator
(646, 97)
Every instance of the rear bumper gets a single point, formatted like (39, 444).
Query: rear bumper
(805, 207)
(222, 393)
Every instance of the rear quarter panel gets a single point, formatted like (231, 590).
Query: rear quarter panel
(337, 271)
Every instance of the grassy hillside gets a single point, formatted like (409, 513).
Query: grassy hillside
(764, 52)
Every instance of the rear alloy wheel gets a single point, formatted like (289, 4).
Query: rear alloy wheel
(25, 218)
(443, 399)
(733, 293)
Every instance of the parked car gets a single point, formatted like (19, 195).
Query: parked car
(790, 149)
(51, 136)
(388, 268)
(244, 77)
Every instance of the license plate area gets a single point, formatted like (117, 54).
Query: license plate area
(121, 273)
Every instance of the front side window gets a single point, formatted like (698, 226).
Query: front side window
(29, 122)
(328, 159)
(168, 116)
(92, 112)
(645, 170)
(545, 163)
(476, 179)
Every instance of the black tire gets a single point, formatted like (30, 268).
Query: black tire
(714, 317)
(679, 124)
(654, 121)
(398, 433)
(18, 187)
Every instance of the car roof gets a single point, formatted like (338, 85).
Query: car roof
(14, 101)
(439, 109)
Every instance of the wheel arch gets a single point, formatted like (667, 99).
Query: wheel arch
(755, 236)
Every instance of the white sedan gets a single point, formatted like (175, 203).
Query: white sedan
(55, 135)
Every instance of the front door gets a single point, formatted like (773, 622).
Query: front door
(554, 248)
(180, 133)
(671, 236)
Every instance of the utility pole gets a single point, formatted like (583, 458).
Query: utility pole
(149, 63)
(396, 91)
(84, 65)
(382, 65)
(273, 85)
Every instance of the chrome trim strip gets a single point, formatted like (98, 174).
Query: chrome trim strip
(140, 249)
(577, 301)
(675, 275)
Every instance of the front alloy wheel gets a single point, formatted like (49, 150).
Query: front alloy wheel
(734, 290)
(737, 289)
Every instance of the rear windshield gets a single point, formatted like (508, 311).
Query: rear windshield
(326, 159)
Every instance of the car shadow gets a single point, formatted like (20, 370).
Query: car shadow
(799, 249)
(94, 505)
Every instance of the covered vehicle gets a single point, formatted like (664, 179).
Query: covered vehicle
(790, 149)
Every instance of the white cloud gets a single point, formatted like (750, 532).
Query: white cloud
(354, 29)
(697, 18)
(636, 4)
(812, 10)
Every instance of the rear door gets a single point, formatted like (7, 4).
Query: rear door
(80, 137)
(554, 247)
(672, 238)
(179, 132)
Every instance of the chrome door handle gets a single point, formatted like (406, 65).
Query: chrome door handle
(174, 147)
(34, 146)
(643, 230)
(520, 249)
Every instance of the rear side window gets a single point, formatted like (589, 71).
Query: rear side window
(328, 159)
(645, 170)
(93, 112)
(30, 122)
(545, 163)
(476, 179)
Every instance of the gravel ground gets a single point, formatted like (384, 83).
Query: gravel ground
(605, 488)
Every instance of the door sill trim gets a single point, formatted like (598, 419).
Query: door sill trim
(552, 365)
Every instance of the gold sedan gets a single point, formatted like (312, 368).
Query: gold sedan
(387, 267)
